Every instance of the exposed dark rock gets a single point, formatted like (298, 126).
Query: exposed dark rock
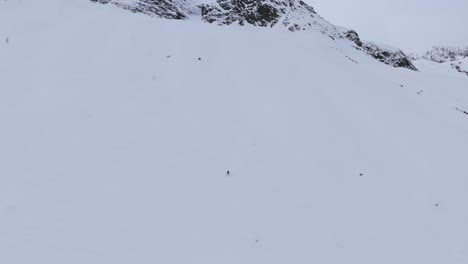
(394, 57)
(263, 13)
(354, 37)
(458, 68)
(388, 55)
(462, 111)
(170, 9)
(101, 1)
(445, 54)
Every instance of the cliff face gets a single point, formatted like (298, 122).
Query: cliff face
(389, 55)
(296, 15)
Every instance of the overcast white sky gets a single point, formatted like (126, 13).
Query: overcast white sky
(413, 25)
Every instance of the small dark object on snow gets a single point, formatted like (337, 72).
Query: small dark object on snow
(199, 59)
(7, 40)
(462, 111)
(228, 172)
(361, 174)
(437, 205)
(168, 56)
(402, 85)
(420, 92)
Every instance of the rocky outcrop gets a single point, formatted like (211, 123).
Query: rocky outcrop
(386, 54)
(461, 66)
(293, 14)
(445, 54)
(353, 36)
(389, 55)
(454, 57)
(170, 9)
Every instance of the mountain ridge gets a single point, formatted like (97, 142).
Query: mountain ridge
(294, 15)
(452, 57)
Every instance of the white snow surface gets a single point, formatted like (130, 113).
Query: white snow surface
(116, 140)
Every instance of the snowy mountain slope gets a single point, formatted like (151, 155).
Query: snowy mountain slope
(116, 140)
(461, 66)
(388, 55)
(170, 9)
(445, 54)
(446, 59)
(295, 15)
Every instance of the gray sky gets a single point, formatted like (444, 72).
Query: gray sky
(412, 25)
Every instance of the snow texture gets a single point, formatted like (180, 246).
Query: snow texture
(118, 131)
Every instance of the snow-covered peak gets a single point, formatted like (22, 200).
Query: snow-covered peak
(451, 58)
(445, 54)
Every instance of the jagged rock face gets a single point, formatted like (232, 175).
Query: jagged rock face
(256, 12)
(390, 56)
(295, 15)
(264, 13)
(353, 36)
(170, 9)
(445, 54)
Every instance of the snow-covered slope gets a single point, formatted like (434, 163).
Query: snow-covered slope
(445, 54)
(295, 15)
(461, 65)
(445, 59)
(118, 130)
